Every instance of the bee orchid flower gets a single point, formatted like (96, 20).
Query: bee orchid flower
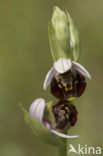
(67, 79)
(37, 111)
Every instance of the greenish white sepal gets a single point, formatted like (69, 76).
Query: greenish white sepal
(37, 108)
(81, 69)
(49, 77)
(74, 39)
(62, 65)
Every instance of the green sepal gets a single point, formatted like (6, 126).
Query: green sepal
(74, 38)
(40, 131)
(59, 35)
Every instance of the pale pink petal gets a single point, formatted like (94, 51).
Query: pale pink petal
(63, 135)
(37, 109)
(62, 65)
(49, 77)
(81, 69)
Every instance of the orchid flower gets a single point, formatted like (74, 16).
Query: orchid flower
(67, 79)
(37, 111)
(65, 115)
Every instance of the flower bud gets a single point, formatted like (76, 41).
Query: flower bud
(63, 36)
(60, 24)
(59, 34)
(65, 115)
(68, 85)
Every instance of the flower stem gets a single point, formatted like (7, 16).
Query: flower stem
(63, 150)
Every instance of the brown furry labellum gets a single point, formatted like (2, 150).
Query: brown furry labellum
(65, 115)
(68, 85)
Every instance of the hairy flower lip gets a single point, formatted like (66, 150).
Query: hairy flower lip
(37, 111)
(68, 86)
(61, 66)
(65, 115)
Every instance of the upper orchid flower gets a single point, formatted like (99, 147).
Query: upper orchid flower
(67, 79)
(37, 111)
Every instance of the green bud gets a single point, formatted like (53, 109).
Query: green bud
(59, 34)
(63, 36)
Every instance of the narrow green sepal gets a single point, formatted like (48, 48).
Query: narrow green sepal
(40, 131)
(74, 38)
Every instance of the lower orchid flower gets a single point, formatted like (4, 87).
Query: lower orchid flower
(67, 79)
(65, 115)
(37, 110)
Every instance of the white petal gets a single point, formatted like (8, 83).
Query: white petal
(37, 108)
(62, 65)
(63, 135)
(81, 69)
(49, 77)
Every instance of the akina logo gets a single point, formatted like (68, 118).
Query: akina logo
(85, 150)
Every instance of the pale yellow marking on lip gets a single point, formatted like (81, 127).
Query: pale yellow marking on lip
(71, 98)
(67, 116)
(64, 84)
(67, 109)
(62, 117)
(70, 88)
(60, 86)
(66, 89)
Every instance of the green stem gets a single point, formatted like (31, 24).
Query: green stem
(73, 142)
(63, 150)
